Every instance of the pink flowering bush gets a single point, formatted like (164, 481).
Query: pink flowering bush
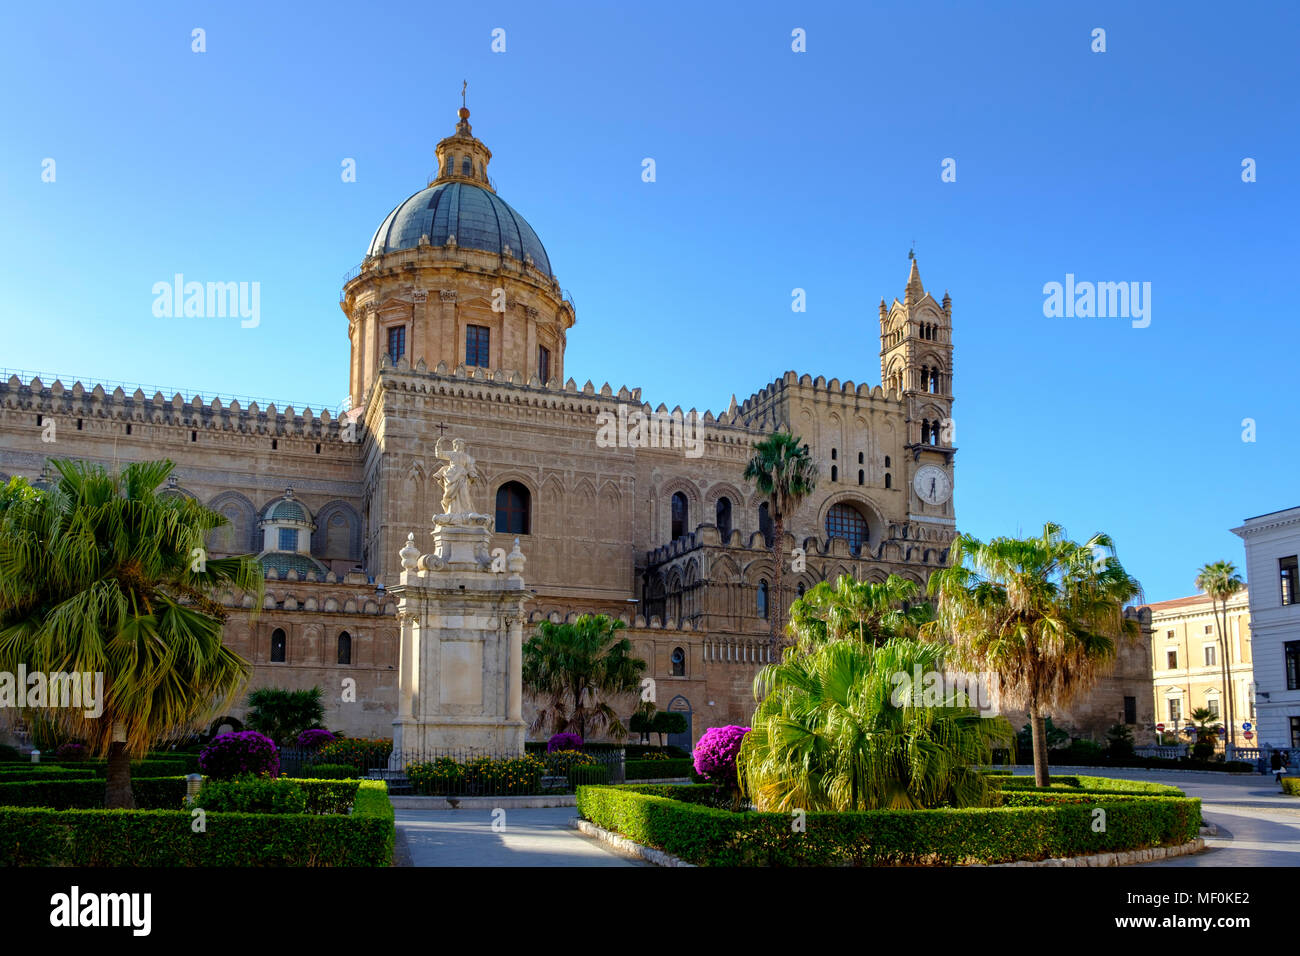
(715, 754)
(235, 755)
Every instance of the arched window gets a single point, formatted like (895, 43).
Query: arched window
(277, 646)
(862, 477)
(679, 662)
(886, 461)
(925, 431)
(888, 481)
(345, 648)
(765, 524)
(467, 166)
(859, 458)
(835, 472)
(835, 454)
(681, 511)
(845, 521)
(513, 502)
(723, 515)
(762, 599)
(801, 589)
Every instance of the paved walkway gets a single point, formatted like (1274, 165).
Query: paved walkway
(1258, 825)
(521, 838)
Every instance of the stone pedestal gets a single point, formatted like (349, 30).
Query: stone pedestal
(461, 611)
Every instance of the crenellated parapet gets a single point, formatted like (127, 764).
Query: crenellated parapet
(195, 413)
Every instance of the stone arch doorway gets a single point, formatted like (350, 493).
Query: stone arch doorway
(680, 705)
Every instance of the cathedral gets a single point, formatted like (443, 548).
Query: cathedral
(458, 325)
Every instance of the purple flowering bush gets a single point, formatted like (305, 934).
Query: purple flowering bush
(240, 754)
(315, 738)
(563, 742)
(70, 751)
(715, 754)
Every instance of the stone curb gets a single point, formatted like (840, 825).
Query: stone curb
(483, 803)
(626, 847)
(1121, 858)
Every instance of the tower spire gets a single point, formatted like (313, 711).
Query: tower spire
(914, 288)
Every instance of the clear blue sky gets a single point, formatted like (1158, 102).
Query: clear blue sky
(775, 170)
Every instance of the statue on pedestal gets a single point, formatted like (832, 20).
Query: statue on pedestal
(456, 477)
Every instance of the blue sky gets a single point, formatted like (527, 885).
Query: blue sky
(775, 170)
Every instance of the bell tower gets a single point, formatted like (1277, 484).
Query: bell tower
(916, 366)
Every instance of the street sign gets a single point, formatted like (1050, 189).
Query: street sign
(1247, 726)
(1161, 728)
(1248, 735)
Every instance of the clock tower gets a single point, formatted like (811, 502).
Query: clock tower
(916, 364)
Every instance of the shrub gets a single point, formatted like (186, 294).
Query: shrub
(359, 752)
(479, 776)
(588, 774)
(10, 753)
(70, 752)
(1291, 785)
(1054, 827)
(315, 738)
(715, 754)
(657, 768)
(128, 838)
(233, 755)
(559, 762)
(1083, 751)
(330, 771)
(252, 795)
(563, 742)
(1119, 742)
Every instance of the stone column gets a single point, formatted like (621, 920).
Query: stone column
(419, 328)
(448, 346)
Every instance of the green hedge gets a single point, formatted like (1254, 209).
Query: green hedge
(151, 793)
(1291, 785)
(1089, 785)
(121, 838)
(710, 837)
(10, 773)
(150, 767)
(659, 769)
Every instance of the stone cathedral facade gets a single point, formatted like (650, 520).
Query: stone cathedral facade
(458, 327)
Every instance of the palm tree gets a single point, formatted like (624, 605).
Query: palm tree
(1221, 581)
(857, 610)
(1041, 615)
(100, 574)
(283, 714)
(829, 734)
(781, 469)
(572, 667)
(1206, 721)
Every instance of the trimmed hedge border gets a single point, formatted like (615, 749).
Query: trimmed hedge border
(1042, 826)
(1089, 785)
(659, 769)
(157, 793)
(31, 836)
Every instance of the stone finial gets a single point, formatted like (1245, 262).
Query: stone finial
(515, 559)
(410, 554)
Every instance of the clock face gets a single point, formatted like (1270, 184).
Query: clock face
(932, 484)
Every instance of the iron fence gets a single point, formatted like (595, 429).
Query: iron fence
(466, 772)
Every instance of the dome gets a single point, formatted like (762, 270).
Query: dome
(477, 217)
(286, 509)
